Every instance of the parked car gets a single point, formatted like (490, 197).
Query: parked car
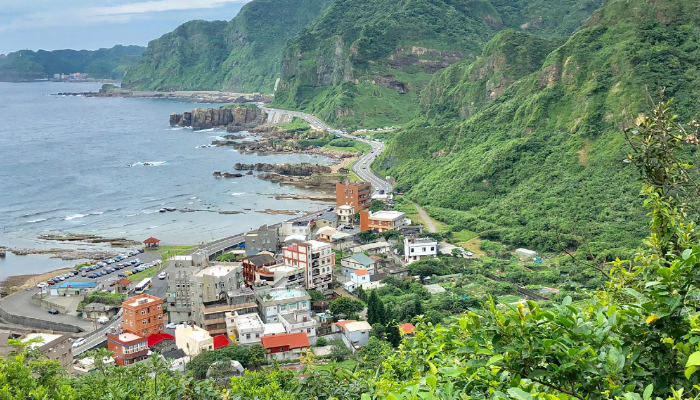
(42, 285)
(53, 311)
(162, 275)
(122, 275)
(140, 250)
(83, 274)
(103, 320)
(79, 342)
(50, 282)
(128, 273)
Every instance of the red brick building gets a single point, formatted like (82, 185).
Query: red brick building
(251, 265)
(142, 317)
(358, 195)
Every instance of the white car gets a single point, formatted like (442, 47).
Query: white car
(103, 320)
(162, 275)
(42, 285)
(79, 342)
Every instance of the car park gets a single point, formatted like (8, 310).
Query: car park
(79, 342)
(83, 274)
(53, 311)
(140, 250)
(128, 273)
(122, 275)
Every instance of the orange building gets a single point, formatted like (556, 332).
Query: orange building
(127, 348)
(382, 221)
(358, 195)
(143, 315)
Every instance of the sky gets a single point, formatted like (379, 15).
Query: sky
(93, 24)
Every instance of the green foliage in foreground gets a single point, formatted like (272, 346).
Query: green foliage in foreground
(27, 65)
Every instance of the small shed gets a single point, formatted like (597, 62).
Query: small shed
(121, 286)
(151, 242)
(73, 288)
(525, 253)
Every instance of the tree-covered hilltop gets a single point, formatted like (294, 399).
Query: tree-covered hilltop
(27, 65)
(242, 55)
(364, 63)
(539, 161)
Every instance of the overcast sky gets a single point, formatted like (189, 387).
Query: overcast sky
(92, 24)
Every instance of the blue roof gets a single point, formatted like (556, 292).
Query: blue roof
(362, 259)
(67, 285)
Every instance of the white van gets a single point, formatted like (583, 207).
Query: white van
(103, 320)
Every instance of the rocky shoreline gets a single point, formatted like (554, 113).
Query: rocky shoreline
(63, 254)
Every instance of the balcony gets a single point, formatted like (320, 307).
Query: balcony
(315, 256)
(315, 263)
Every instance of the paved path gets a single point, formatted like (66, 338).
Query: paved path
(426, 218)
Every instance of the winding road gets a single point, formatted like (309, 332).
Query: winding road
(361, 167)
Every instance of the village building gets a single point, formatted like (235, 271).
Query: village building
(356, 262)
(121, 286)
(54, 346)
(251, 264)
(380, 247)
(416, 248)
(290, 228)
(328, 218)
(244, 329)
(357, 195)
(315, 258)
(346, 214)
(266, 238)
(382, 221)
(288, 346)
(279, 276)
(97, 310)
(193, 340)
(126, 347)
(73, 288)
(212, 315)
(358, 278)
(142, 315)
(178, 297)
(355, 334)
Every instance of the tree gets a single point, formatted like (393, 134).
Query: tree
(339, 352)
(256, 356)
(320, 342)
(377, 205)
(375, 352)
(378, 331)
(367, 236)
(316, 296)
(393, 336)
(346, 306)
(456, 252)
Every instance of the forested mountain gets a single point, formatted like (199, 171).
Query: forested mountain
(241, 55)
(27, 65)
(530, 148)
(364, 63)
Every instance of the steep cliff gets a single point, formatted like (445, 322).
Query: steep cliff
(225, 117)
(27, 65)
(364, 63)
(242, 55)
(543, 163)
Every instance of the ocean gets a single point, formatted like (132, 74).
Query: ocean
(64, 168)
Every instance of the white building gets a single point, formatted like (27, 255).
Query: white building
(355, 334)
(244, 329)
(357, 261)
(274, 303)
(358, 278)
(193, 340)
(373, 248)
(316, 258)
(212, 284)
(346, 214)
(290, 228)
(279, 276)
(416, 248)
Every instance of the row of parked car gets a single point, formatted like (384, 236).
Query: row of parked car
(85, 271)
(139, 267)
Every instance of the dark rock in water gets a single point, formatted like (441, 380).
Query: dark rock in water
(239, 118)
(249, 173)
(219, 174)
(285, 169)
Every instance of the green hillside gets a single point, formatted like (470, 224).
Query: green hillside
(27, 65)
(364, 63)
(241, 55)
(542, 163)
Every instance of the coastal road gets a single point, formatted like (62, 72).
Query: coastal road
(361, 167)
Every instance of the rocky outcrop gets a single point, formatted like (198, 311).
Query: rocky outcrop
(285, 169)
(231, 118)
(219, 174)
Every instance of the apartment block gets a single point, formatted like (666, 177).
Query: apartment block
(274, 303)
(346, 214)
(290, 228)
(357, 195)
(266, 238)
(315, 258)
(416, 248)
(212, 315)
(142, 315)
(252, 264)
(178, 296)
(382, 221)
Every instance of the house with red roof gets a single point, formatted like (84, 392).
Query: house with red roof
(407, 329)
(121, 286)
(288, 346)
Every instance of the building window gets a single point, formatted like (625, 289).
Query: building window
(160, 307)
(143, 312)
(143, 322)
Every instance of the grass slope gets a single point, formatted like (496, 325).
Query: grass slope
(542, 165)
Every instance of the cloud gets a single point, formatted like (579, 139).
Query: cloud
(78, 12)
(159, 6)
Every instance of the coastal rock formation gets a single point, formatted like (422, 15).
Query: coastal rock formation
(285, 169)
(207, 118)
(219, 174)
(318, 182)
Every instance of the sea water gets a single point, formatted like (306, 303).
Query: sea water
(72, 164)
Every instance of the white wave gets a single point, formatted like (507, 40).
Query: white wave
(74, 216)
(150, 211)
(237, 194)
(97, 213)
(37, 220)
(175, 128)
(207, 130)
(192, 198)
(131, 215)
(191, 202)
(147, 163)
(153, 227)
